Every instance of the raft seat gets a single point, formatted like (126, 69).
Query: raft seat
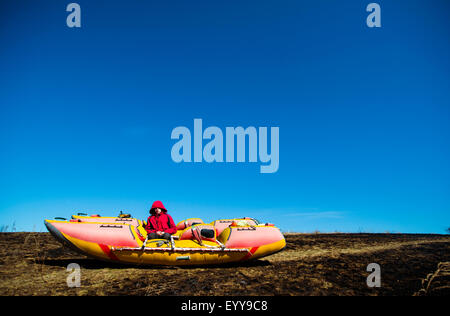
(199, 232)
(222, 224)
(188, 223)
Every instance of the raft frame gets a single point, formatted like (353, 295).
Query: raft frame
(175, 249)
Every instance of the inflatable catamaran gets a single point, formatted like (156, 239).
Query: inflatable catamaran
(124, 239)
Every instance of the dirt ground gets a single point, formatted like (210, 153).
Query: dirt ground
(311, 264)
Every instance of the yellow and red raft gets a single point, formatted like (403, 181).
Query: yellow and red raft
(195, 243)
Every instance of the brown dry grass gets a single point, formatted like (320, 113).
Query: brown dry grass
(436, 283)
(311, 264)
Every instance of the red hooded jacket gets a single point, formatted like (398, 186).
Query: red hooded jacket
(162, 222)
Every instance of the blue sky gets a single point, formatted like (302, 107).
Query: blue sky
(86, 113)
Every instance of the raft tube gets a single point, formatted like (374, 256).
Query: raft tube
(219, 225)
(198, 244)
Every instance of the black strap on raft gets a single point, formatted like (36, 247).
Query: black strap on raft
(111, 226)
(82, 214)
(61, 218)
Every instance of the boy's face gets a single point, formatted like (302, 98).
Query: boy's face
(157, 211)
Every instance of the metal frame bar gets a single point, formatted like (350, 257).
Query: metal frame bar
(216, 249)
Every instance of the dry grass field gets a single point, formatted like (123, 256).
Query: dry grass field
(311, 264)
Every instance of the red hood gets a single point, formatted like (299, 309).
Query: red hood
(157, 204)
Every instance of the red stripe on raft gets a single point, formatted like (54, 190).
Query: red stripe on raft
(252, 251)
(108, 252)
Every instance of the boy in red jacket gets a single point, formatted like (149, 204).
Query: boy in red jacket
(160, 225)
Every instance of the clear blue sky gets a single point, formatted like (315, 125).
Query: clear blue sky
(86, 113)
